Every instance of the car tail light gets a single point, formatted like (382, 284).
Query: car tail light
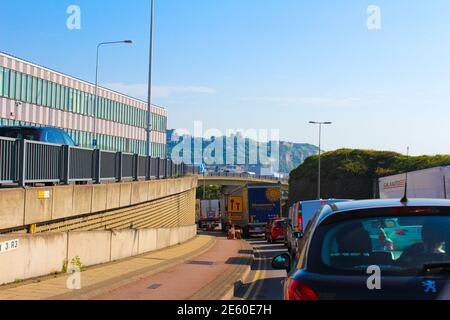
(297, 290)
(401, 232)
(300, 223)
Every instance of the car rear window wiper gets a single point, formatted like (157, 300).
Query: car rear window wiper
(436, 268)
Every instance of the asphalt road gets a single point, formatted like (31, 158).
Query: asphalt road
(263, 282)
(183, 280)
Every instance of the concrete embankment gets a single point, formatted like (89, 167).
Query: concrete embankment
(28, 256)
(21, 207)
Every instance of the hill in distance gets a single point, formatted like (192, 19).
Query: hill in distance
(353, 174)
(291, 154)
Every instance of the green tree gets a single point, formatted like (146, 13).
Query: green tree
(212, 192)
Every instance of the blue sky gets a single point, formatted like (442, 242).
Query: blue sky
(262, 63)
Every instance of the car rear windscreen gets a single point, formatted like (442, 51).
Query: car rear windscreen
(398, 244)
(21, 133)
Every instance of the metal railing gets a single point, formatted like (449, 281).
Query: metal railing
(26, 162)
(245, 176)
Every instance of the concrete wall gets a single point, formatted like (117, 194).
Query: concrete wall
(21, 207)
(162, 238)
(147, 240)
(12, 206)
(44, 254)
(93, 247)
(124, 244)
(35, 256)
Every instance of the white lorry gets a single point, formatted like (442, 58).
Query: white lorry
(210, 216)
(433, 183)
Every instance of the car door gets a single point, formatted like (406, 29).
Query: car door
(68, 140)
(54, 136)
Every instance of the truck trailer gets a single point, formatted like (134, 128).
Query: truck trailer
(254, 207)
(433, 183)
(210, 214)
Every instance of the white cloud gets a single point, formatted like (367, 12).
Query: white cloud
(140, 90)
(304, 101)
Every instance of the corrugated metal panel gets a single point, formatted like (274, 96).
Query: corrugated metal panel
(173, 211)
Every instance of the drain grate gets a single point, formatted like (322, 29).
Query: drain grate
(202, 263)
(155, 286)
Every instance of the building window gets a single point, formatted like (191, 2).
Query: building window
(108, 109)
(12, 88)
(75, 101)
(18, 86)
(1, 81)
(70, 105)
(78, 101)
(34, 94)
(23, 96)
(82, 103)
(39, 92)
(88, 104)
(44, 92)
(48, 103)
(6, 76)
(54, 95)
(29, 88)
(58, 97)
(62, 98)
(66, 99)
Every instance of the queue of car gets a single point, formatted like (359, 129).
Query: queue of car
(373, 249)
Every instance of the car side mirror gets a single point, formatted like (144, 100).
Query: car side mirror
(297, 235)
(282, 262)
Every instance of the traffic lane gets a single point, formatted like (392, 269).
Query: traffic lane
(182, 281)
(264, 282)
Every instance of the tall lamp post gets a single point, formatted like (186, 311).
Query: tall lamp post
(149, 106)
(320, 124)
(94, 142)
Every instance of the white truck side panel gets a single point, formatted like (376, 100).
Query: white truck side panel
(427, 183)
(210, 209)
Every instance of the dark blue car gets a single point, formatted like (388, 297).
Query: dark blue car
(42, 134)
(343, 255)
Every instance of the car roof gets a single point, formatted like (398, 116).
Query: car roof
(19, 127)
(33, 128)
(29, 127)
(343, 207)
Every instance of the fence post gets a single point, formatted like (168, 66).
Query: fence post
(22, 162)
(158, 168)
(166, 168)
(119, 163)
(66, 164)
(97, 166)
(148, 170)
(136, 167)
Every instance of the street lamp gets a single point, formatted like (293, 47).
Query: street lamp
(320, 124)
(149, 102)
(94, 142)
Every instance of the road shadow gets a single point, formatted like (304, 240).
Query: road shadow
(271, 289)
(239, 261)
(279, 248)
(217, 234)
(256, 242)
